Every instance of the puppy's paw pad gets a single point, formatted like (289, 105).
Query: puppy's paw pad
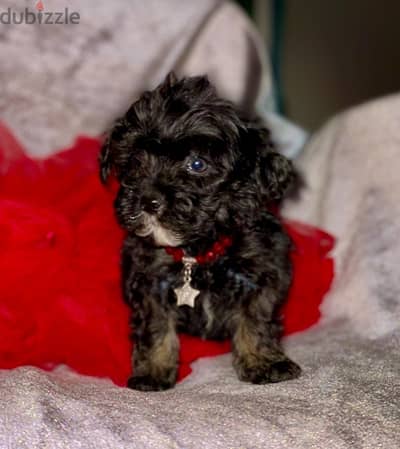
(148, 383)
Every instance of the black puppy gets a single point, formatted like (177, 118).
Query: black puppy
(203, 254)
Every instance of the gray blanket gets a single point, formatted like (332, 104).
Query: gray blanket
(347, 398)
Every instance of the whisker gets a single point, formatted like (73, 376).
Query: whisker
(135, 217)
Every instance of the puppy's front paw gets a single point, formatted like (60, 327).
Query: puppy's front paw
(149, 383)
(264, 371)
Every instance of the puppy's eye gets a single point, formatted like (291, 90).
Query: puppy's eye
(197, 165)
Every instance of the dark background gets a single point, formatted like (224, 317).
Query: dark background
(330, 55)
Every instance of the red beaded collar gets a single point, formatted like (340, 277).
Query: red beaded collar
(218, 249)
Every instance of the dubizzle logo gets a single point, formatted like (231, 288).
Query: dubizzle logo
(40, 16)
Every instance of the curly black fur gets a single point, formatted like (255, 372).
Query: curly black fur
(162, 201)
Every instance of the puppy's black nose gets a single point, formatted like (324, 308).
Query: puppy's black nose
(151, 205)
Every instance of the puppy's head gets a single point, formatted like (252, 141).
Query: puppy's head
(188, 165)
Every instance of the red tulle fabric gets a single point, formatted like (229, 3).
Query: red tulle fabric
(60, 297)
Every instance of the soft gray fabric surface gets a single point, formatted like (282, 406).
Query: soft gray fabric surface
(352, 169)
(347, 398)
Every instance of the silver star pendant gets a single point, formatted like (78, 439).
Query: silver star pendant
(186, 295)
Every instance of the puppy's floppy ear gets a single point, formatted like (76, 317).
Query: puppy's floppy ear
(111, 157)
(274, 175)
(273, 172)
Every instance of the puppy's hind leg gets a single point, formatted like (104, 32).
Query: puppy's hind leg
(257, 354)
(156, 351)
